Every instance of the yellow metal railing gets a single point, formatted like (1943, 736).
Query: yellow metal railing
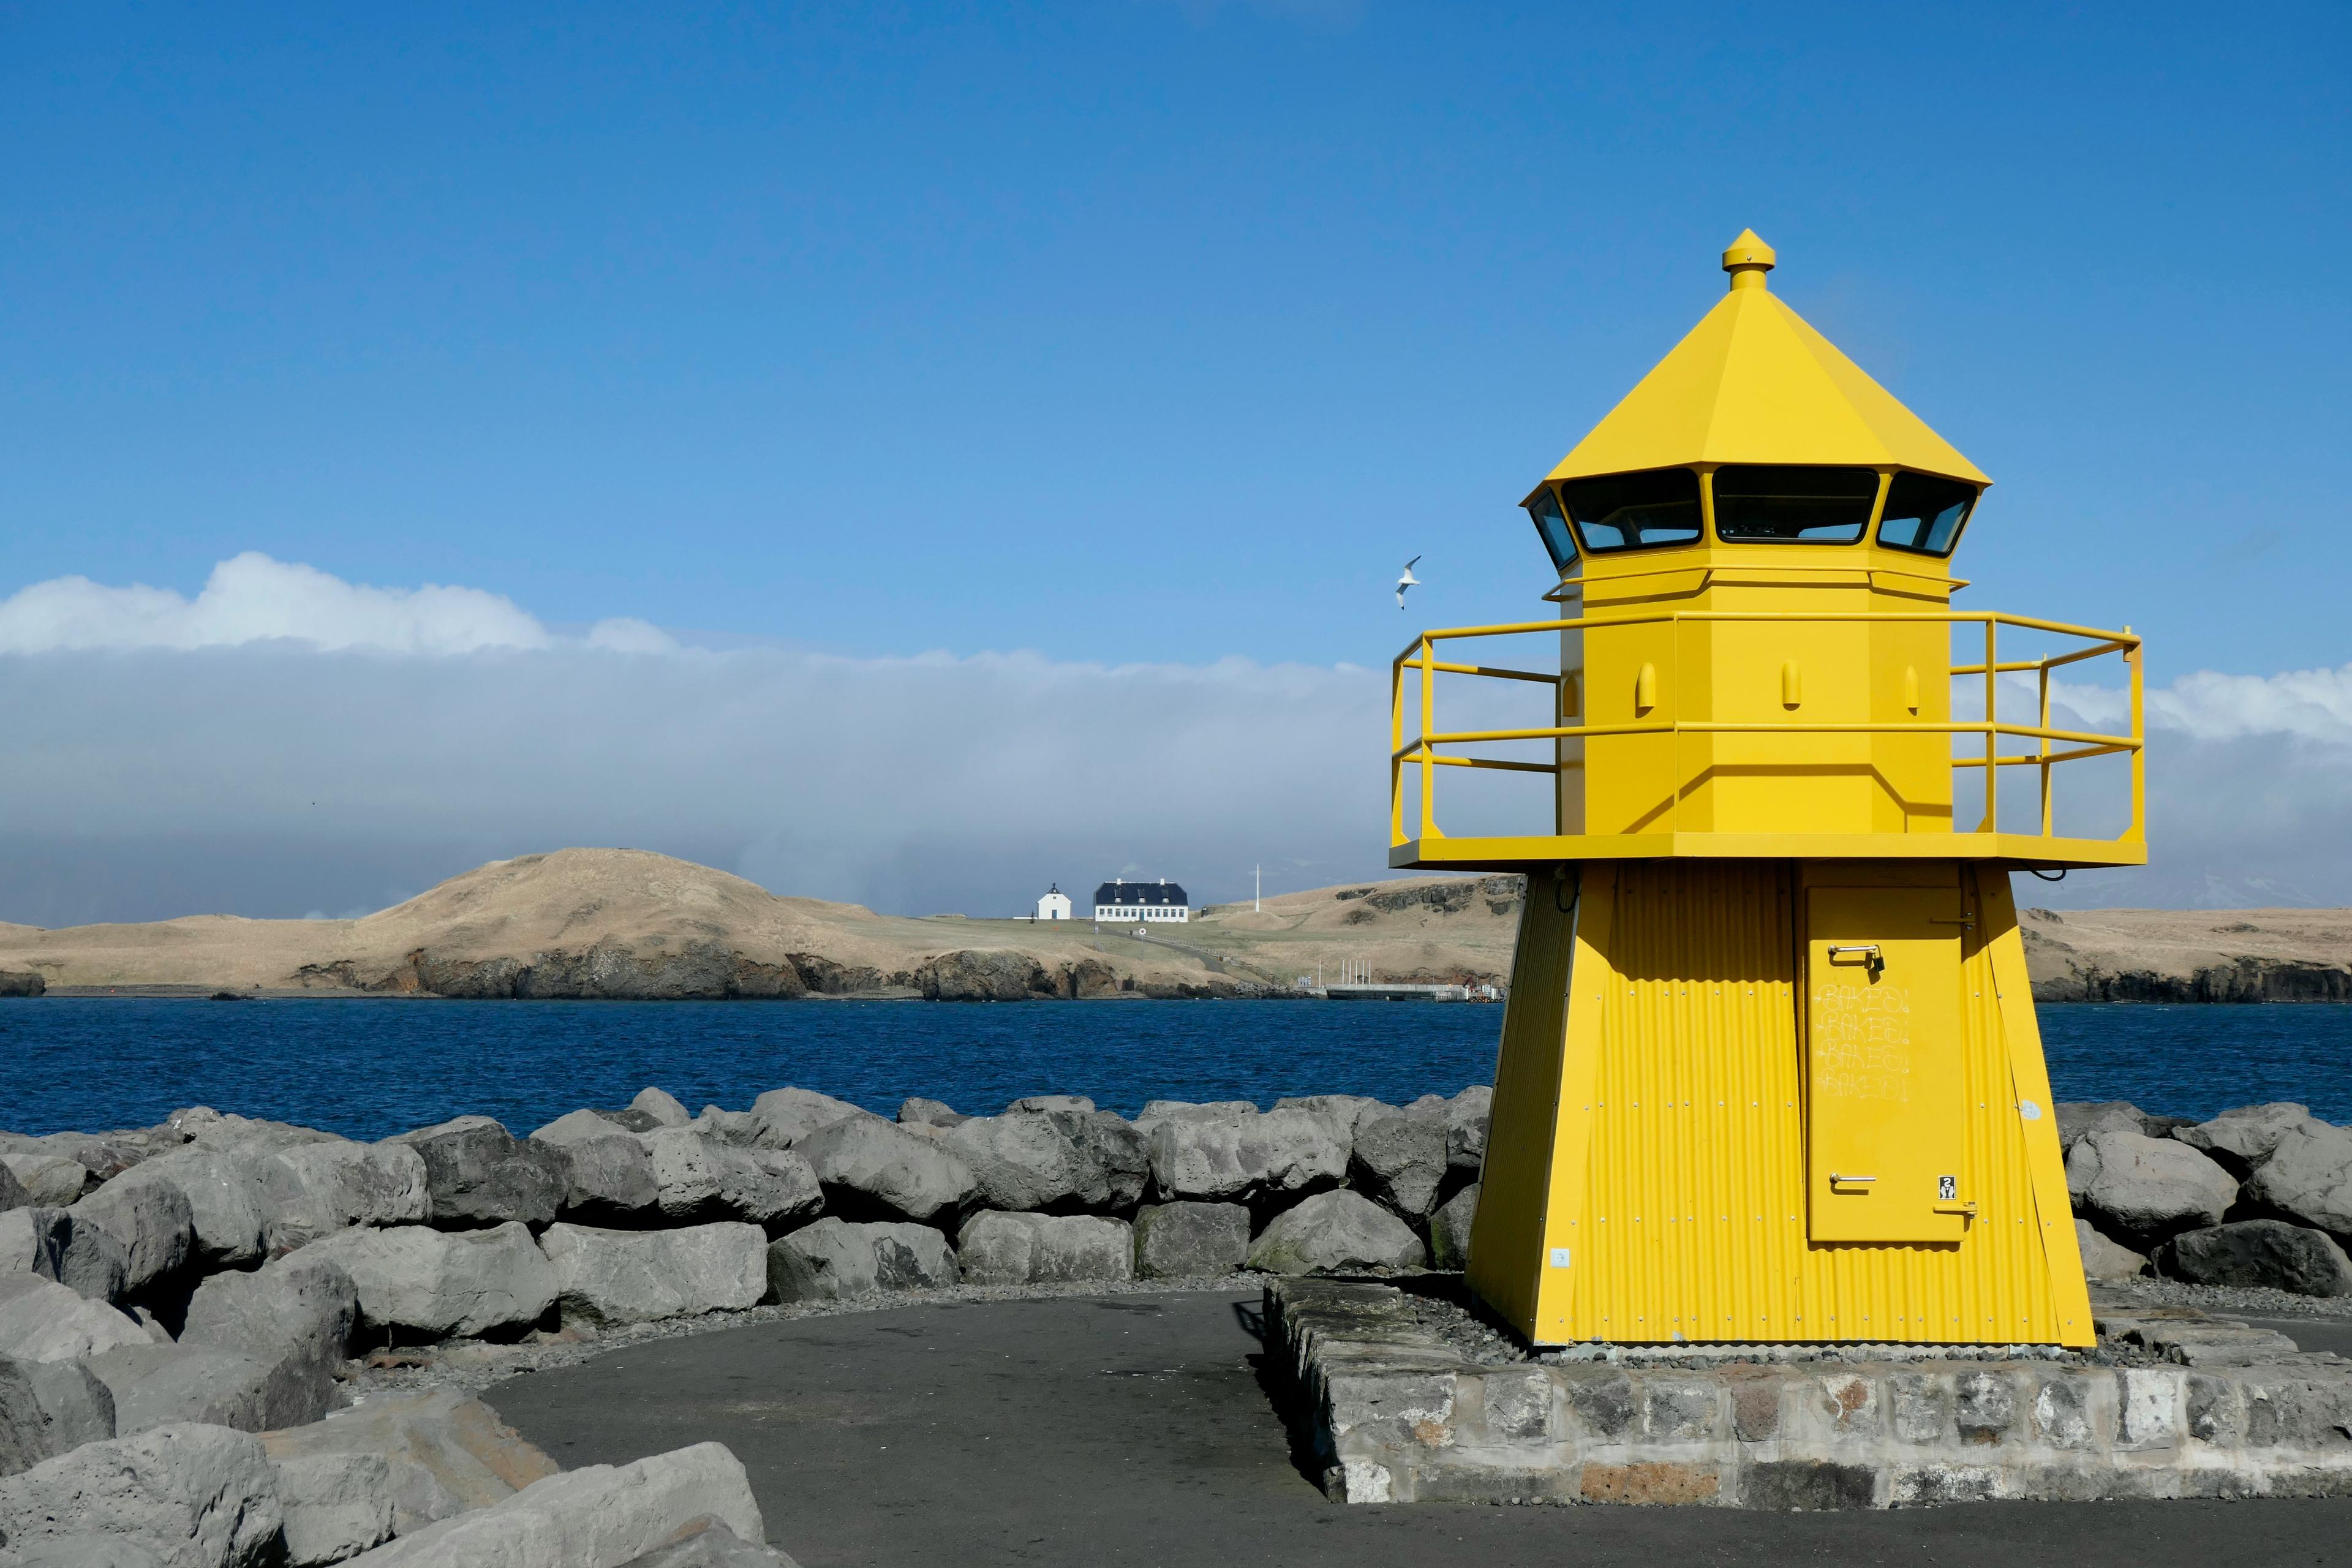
(1421, 750)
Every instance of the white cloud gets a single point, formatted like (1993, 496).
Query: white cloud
(253, 598)
(2313, 705)
(252, 749)
(627, 634)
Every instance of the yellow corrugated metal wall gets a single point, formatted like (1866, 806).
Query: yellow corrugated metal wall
(1689, 1218)
(1507, 1234)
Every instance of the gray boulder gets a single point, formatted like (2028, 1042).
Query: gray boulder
(1159, 1110)
(575, 1125)
(296, 1315)
(2106, 1259)
(224, 1202)
(1399, 1158)
(164, 1385)
(204, 1128)
(629, 1119)
(417, 1280)
(104, 1155)
(152, 1220)
(708, 1543)
(1054, 1161)
(476, 1172)
(699, 1178)
(642, 1276)
(2307, 1178)
(54, 1180)
(782, 1117)
(732, 1127)
(42, 1320)
(336, 1505)
(84, 1551)
(2077, 1119)
(445, 1452)
(873, 1169)
(1000, 1248)
(1450, 1227)
(1246, 1158)
(196, 1496)
(916, 1111)
(1076, 1103)
(600, 1516)
(834, 1260)
(1466, 1116)
(48, 1408)
(2239, 1141)
(65, 1247)
(1342, 1111)
(662, 1108)
(2261, 1252)
(312, 1190)
(608, 1172)
(2143, 1188)
(1187, 1240)
(1336, 1231)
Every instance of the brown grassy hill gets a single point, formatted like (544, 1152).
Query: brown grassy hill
(2189, 955)
(627, 923)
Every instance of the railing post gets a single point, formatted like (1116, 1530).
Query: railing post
(1396, 745)
(2136, 655)
(1428, 727)
(2043, 748)
(1992, 728)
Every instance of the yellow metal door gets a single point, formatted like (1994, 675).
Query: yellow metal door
(1886, 1104)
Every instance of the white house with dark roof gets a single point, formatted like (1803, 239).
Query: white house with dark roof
(1055, 905)
(1122, 901)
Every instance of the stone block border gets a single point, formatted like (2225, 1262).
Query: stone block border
(1395, 1409)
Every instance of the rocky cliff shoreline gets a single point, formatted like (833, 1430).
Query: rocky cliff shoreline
(623, 924)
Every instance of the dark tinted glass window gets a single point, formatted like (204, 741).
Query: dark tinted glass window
(1626, 511)
(1792, 505)
(1924, 513)
(1553, 527)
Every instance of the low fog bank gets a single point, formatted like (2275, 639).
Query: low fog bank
(285, 743)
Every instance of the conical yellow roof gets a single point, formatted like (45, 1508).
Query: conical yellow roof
(1754, 383)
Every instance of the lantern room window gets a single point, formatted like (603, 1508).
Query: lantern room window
(1924, 513)
(1757, 503)
(1551, 523)
(1634, 512)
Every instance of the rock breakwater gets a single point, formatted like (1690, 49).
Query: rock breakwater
(165, 1290)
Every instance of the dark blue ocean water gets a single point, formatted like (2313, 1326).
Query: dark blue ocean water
(368, 1068)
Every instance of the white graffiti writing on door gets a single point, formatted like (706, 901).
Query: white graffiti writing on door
(1861, 1042)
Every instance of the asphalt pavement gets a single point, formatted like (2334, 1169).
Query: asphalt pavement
(1135, 1430)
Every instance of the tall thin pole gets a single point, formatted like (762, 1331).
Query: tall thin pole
(1257, 884)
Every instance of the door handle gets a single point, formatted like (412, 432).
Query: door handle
(1866, 952)
(1838, 1180)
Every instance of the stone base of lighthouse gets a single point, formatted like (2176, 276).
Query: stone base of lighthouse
(1775, 1101)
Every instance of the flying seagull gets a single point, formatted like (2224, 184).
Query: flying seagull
(1407, 581)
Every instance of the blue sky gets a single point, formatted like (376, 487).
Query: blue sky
(1133, 331)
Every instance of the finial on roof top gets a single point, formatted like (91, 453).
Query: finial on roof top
(1747, 259)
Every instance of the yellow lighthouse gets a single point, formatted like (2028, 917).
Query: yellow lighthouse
(1769, 1068)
